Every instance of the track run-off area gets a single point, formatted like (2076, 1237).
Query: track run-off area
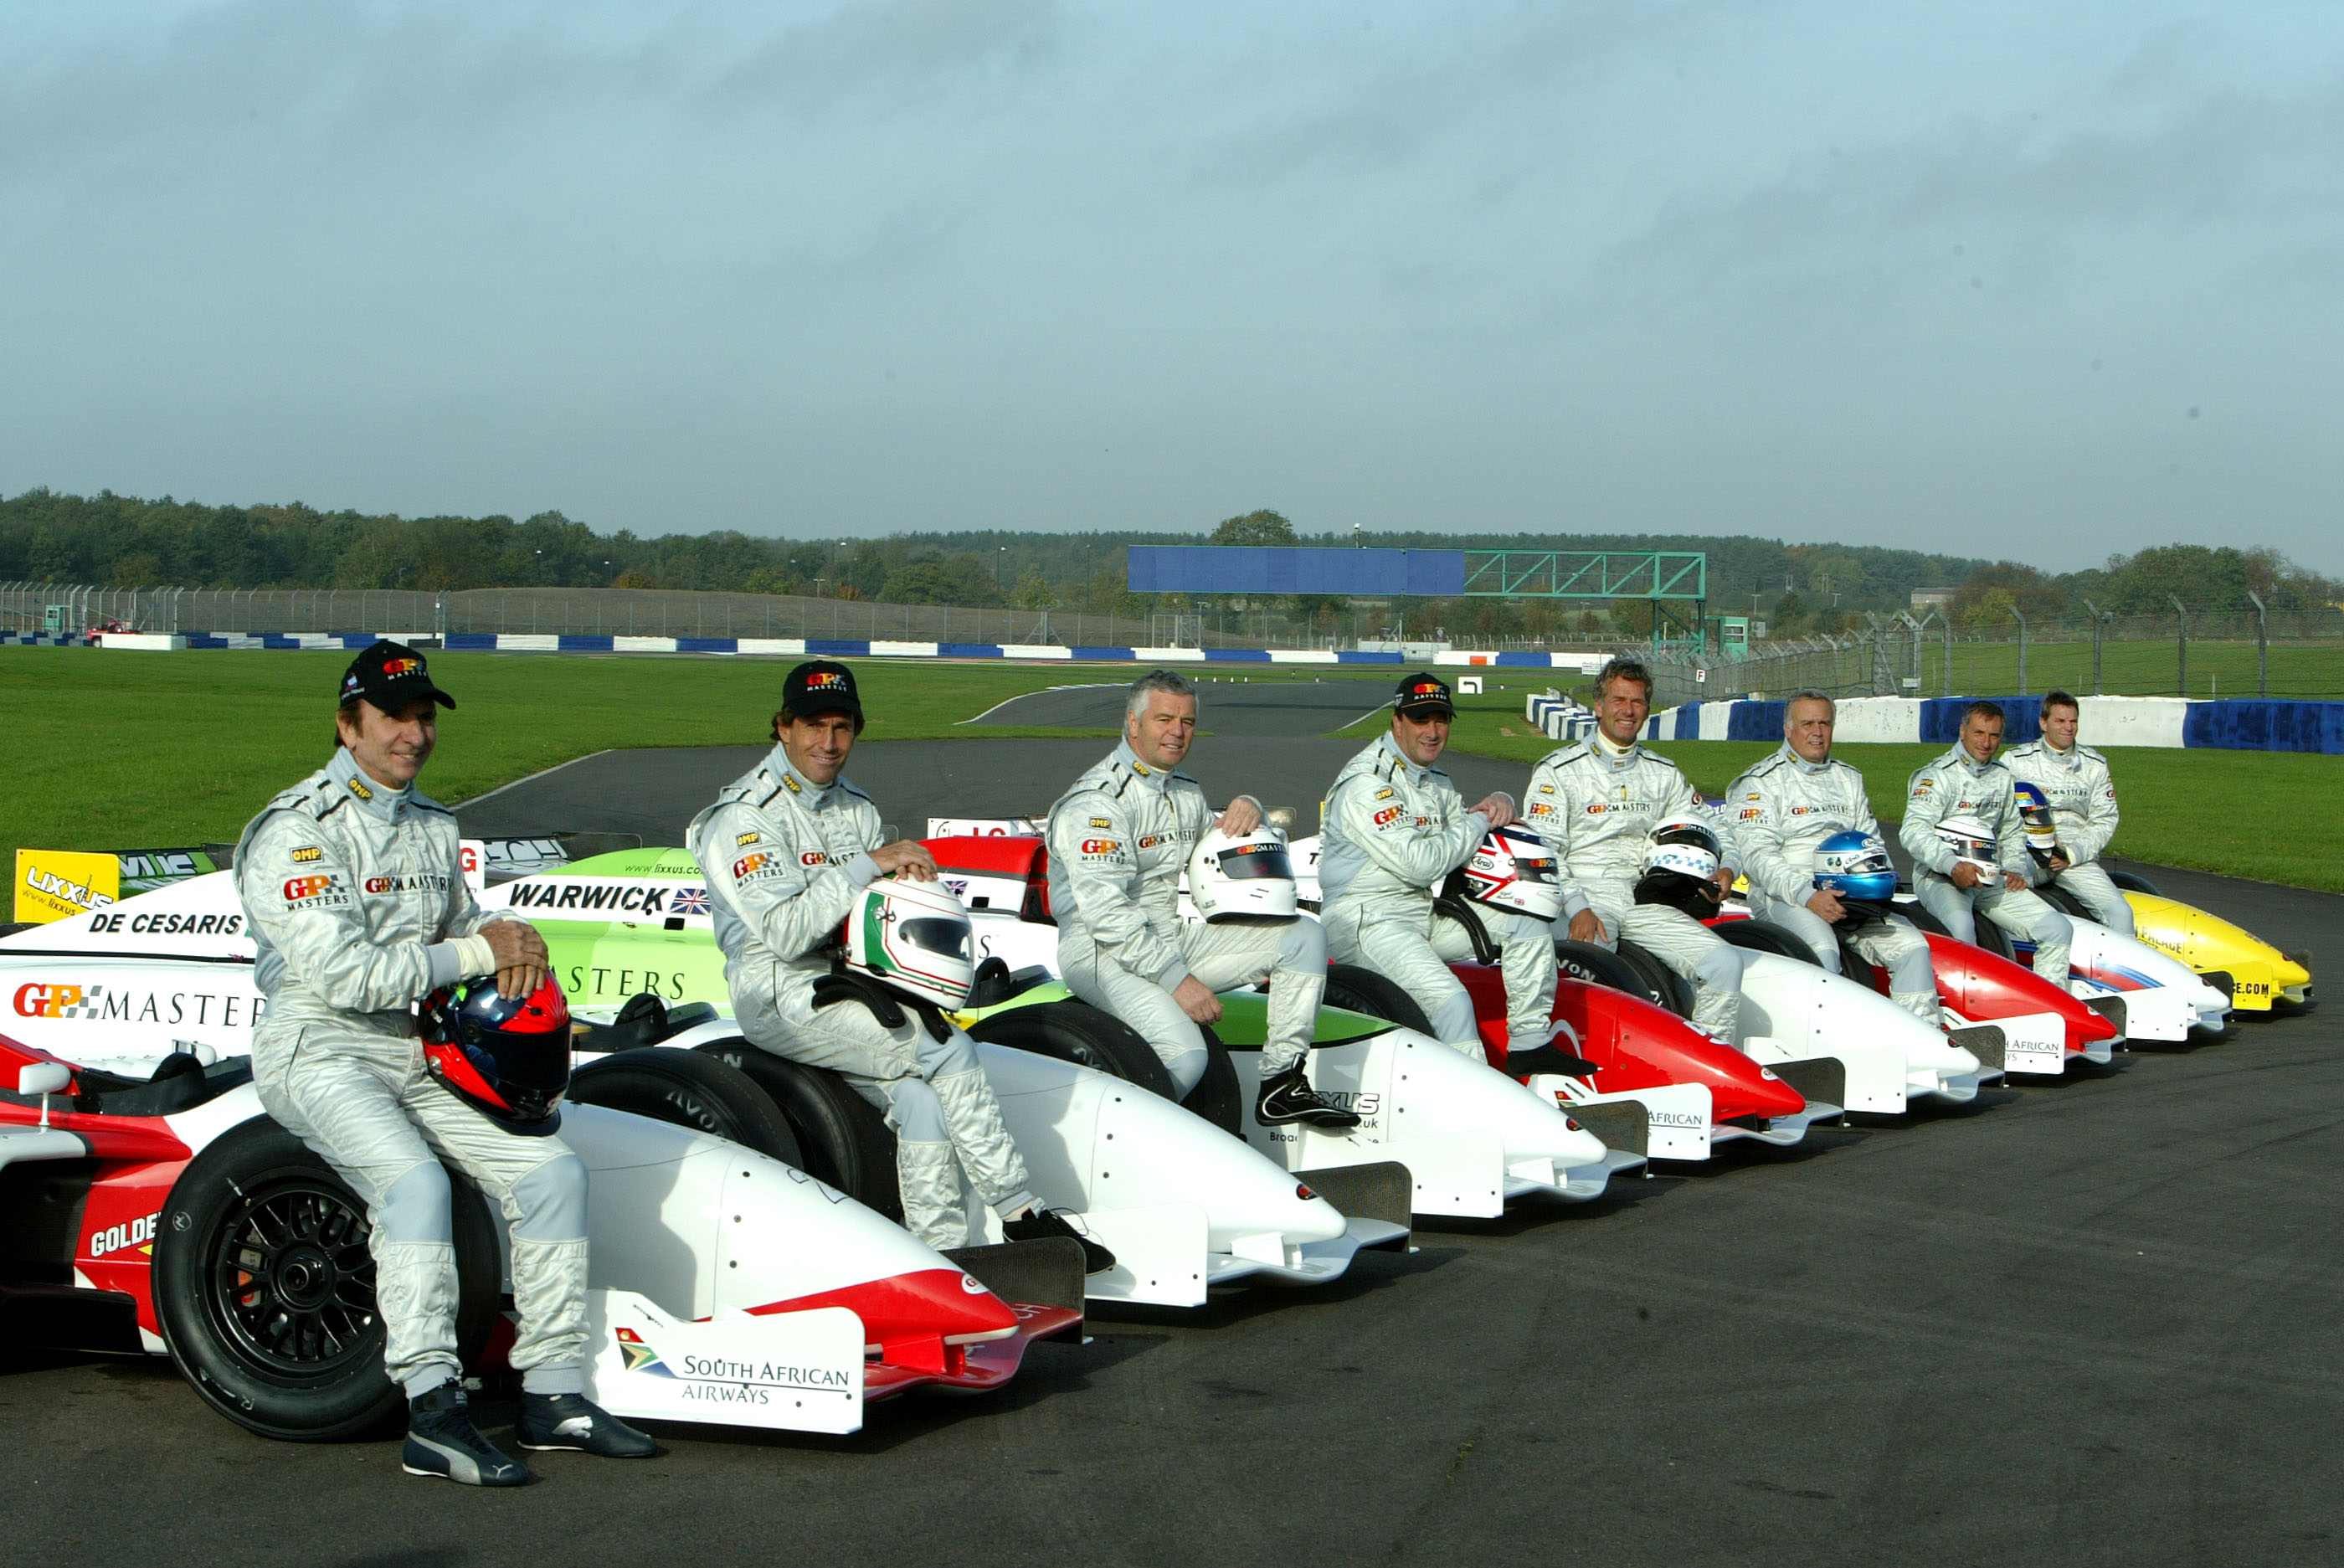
(2090, 1322)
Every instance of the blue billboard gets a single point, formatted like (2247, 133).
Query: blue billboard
(1277, 569)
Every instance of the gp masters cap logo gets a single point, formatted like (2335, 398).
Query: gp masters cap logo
(823, 679)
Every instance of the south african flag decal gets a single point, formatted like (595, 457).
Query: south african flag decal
(640, 1357)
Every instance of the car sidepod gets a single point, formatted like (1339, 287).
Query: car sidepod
(1791, 1011)
(1472, 1138)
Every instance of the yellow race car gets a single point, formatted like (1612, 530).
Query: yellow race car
(2262, 978)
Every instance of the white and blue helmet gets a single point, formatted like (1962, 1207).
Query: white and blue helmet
(1856, 866)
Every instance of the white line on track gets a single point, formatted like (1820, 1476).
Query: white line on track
(542, 773)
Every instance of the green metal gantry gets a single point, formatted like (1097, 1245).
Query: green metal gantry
(1659, 575)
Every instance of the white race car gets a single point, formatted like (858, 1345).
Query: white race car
(1183, 1205)
(173, 1216)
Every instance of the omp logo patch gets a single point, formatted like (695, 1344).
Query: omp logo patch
(1384, 794)
(1102, 822)
(360, 790)
(742, 841)
(305, 854)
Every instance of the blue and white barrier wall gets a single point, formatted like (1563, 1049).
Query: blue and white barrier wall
(2226, 724)
(842, 648)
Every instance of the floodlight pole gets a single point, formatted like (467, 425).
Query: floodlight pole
(2016, 615)
(2184, 608)
(2099, 621)
(2262, 645)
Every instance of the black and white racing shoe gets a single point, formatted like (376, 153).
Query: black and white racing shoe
(1042, 1222)
(575, 1421)
(442, 1442)
(1288, 1097)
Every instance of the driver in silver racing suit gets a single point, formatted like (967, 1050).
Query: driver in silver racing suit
(355, 893)
(1392, 829)
(1596, 803)
(787, 849)
(2083, 805)
(1119, 839)
(1971, 781)
(1778, 812)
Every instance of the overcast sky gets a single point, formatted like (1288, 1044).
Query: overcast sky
(2008, 279)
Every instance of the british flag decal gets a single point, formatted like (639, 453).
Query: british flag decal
(689, 901)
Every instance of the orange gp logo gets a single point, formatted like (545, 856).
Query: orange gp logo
(307, 887)
(747, 864)
(37, 1000)
(1100, 846)
(813, 858)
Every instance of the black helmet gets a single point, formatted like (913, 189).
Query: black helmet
(507, 1060)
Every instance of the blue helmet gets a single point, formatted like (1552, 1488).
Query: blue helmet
(1856, 866)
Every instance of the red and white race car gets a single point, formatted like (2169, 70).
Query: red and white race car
(172, 1215)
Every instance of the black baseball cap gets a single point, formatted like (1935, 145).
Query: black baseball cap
(821, 686)
(1420, 692)
(391, 675)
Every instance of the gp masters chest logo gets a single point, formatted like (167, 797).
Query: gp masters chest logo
(409, 881)
(316, 890)
(1100, 847)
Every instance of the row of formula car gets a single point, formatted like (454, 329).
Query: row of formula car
(746, 1270)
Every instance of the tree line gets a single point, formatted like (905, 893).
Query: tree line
(125, 541)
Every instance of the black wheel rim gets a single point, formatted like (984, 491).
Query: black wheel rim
(292, 1282)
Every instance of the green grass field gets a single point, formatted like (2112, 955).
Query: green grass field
(2128, 668)
(141, 751)
(117, 749)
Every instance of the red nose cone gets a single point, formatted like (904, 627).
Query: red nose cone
(1635, 1046)
(915, 1311)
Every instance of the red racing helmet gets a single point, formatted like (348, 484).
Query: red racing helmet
(508, 1060)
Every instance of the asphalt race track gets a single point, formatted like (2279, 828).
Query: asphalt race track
(2090, 1324)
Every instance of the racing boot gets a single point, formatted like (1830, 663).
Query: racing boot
(1038, 1222)
(441, 1440)
(575, 1421)
(1287, 1096)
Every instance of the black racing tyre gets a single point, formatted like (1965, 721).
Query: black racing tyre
(1359, 990)
(844, 1138)
(1922, 918)
(1765, 936)
(1076, 1032)
(2065, 902)
(1989, 936)
(265, 1288)
(1673, 990)
(1217, 1096)
(2131, 883)
(1599, 966)
(686, 1088)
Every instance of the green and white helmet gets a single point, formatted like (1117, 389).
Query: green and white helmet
(913, 937)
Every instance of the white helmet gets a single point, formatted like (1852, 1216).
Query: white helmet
(1514, 869)
(1232, 876)
(1684, 845)
(1972, 840)
(913, 937)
